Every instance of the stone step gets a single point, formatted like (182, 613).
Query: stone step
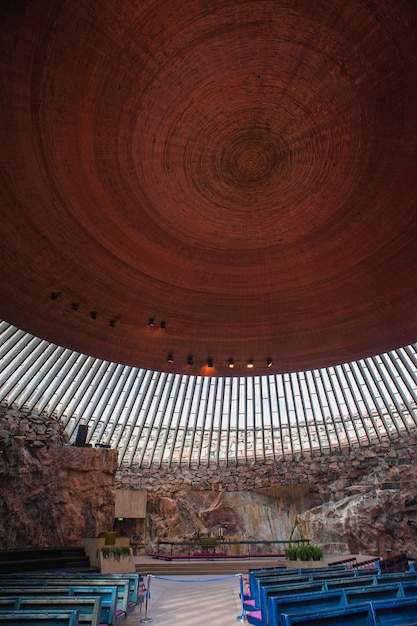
(203, 567)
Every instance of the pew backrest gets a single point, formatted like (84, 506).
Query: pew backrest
(8, 602)
(282, 581)
(122, 586)
(374, 593)
(291, 590)
(304, 603)
(383, 579)
(108, 596)
(359, 615)
(133, 579)
(344, 583)
(31, 590)
(401, 612)
(89, 608)
(39, 618)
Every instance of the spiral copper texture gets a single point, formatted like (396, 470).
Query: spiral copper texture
(244, 172)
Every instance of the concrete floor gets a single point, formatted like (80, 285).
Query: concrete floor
(190, 601)
(197, 600)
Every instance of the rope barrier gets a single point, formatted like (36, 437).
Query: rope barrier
(240, 618)
(208, 580)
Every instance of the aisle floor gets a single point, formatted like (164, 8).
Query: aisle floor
(191, 601)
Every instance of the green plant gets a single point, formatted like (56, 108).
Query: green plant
(316, 552)
(115, 552)
(304, 552)
(291, 552)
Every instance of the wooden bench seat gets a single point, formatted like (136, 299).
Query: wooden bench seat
(277, 606)
(89, 608)
(398, 612)
(107, 595)
(296, 603)
(135, 580)
(124, 606)
(109, 613)
(346, 616)
(39, 618)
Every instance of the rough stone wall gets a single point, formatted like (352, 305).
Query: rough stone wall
(360, 500)
(51, 493)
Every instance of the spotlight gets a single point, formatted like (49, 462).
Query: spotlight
(250, 363)
(163, 324)
(231, 363)
(151, 321)
(190, 360)
(93, 315)
(170, 357)
(210, 362)
(74, 306)
(269, 362)
(54, 295)
(112, 323)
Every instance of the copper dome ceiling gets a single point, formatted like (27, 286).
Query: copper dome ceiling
(243, 172)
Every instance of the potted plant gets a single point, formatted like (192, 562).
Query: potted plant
(291, 552)
(304, 552)
(317, 552)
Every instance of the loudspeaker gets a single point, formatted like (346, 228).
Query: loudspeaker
(81, 437)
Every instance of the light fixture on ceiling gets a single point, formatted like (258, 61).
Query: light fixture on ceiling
(269, 362)
(93, 315)
(163, 324)
(74, 306)
(112, 323)
(250, 363)
(210, 362)
(54, 295)
(190, 360)
(151, 321)
(170, 357)
(231, 363)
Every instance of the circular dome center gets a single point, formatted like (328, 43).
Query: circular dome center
(250, 162)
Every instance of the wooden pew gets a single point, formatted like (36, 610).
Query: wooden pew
(398, 563)
(400, 612)
(39, 618)
(270, 588)
(135, 580)
(295, 604)
(345, 583)
(123, 605)
(275, 602)
(361, 615)
(400, 577)
(339, 576)
(307, 603)
(89, 608)
(8, 603)
(107, 595)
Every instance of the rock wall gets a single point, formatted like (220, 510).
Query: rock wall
(51, 493)
(362, 500)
